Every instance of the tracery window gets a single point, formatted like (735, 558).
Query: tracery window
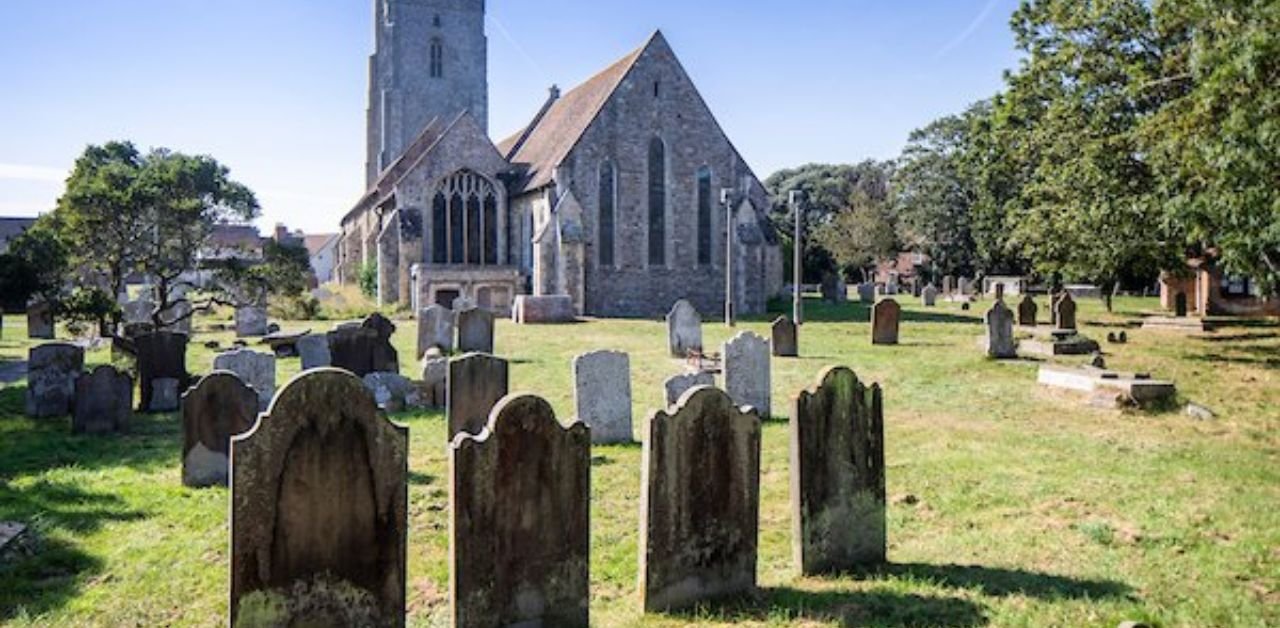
(464, 221)
(437, 58)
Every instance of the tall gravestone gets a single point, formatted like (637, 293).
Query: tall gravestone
(219, 406)
(475, 330)
(40, 324)
(1027, 311)
(929, 296)
(258, 370)
(684, 329)
(319, 499)
(784, 341)
(948, 285)
(602, 395)
(477, 381)
(885, 318)
(161, 355)
(104, 402)
(747, 373)
(1064, 312)
(1000, 342)
(313, 351)
(677, 385)
(52, 370)
(521, 501)
(435, 329)
(700, 502)
(837, 475)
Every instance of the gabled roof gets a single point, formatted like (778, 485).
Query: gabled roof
(316, 242)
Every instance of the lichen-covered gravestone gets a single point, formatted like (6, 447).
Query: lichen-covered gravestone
(313, 350)
(929, 296)
(251, 320)
(477, 381)
(521, 501)
(104, 401)
(52, 369)
(1027, 311)
(1000, 341)
(602, 395)
(677, 385)
(319, 498)
(435, 329)
(746, 372)
(700, 502)
(219, 406)
(784, 342)
(684, 329)
(40, 324)
(161, 355)
(258, 370)
(885, 317)
(1064, 312)
(475, 330)
(837, 475)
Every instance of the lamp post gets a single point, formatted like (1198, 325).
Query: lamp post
(797, 302)
(726, 197)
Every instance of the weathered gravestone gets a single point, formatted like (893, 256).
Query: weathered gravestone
(313, 350)
(219, 406)
(52, 369)
(701, 502)
(784, 334)
(677, 385)
(929, 296)
(885, 317)
(475, 330)
(521, 520)
(964, 286)
(746, 372)
(948, 285)
(1064, 312)
(393, 392)
(1180, 304)
(258, 370)
(602, 395)
(161, 355)
(866, 293)
(435, 378)
(477, 381)
(384, 358)
(684, 329)
(104, 401)
(837, 475)
(138, 310)
(40, 321)
(319, 510)
(435, 329)
(165, 395)
(834, 289)
(1027, 311)
(1000, 342)
(251, 320)
(365, 347)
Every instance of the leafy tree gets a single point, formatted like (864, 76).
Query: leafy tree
(933, 195)
(861, 235)
(368, 279)
(35, 266)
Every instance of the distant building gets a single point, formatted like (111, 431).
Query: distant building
(11, 228)
(901, 269)
(323, 249)
(1211, 292)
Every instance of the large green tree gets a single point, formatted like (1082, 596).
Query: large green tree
(861, 234)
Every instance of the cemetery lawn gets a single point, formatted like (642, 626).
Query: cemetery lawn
(1009, 503)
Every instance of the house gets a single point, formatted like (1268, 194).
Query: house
(1207, 290)
(323, 250)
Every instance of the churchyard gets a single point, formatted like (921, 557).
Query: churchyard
(1008, 502)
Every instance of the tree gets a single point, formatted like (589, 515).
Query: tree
(35, 266)
(860, 235)
(933, 195)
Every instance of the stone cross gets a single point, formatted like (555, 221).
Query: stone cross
(1064, 312)
(677, 385)
(52, 370)
(219, 406)
(319, 499)
(435, 329)
(747, 372)
(884, 322)
(162, 355)
(1027, 311)
(684, 329)
(521, 502)
(258, 370)
(602, 395)
(784, 342)
(104, 402)
(1000, 342)
(929, 296)
(475, 330)
(477, 381)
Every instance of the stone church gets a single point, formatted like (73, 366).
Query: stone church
(617, 192)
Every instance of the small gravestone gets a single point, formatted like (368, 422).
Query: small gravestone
(393, 392)
(929, 296)
(746, 372)
(602, 395)
(964, 286)
(948, 285)
(684, 329)
(258, 370)
(165, 393)
(251, 320)
(313, 350)
(475, 331)
(520, 539)
(1180, 304)
(319, 500)
(784, 342)
(1000, 342)
(435, 329)
(435, 378)
(138, 311)
(219, 406)
(161, 355)
(885, 317)
(867, 293)
(476, 382)
(699, 525)
(1027, 311)
(40, 321)
(104, 402)
(834, 289)
(1064, 312)
(677, 385)
(52, 370)
(837, 475)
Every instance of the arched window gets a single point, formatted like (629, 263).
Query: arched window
(704, 216)
(437, 58)
(465, 221)
(440, 229)
(608, 199)
(657, 202)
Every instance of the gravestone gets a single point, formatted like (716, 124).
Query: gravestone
(1000, 342)
(1000, 291)
(964, 286)
(476, 382)
(40, 321)
(866, 293)
(1180, 304)
(684, 329)
(393, 392)
(384, 359)
(948, 285)
(701, 502)
(535, 309)
(104, 402)
(165, 395)
(313, 350)
(257, 370)
(521, 520)
(837, 475)
(1027, 311)
(319, 499)
(251, 320)
(435, 329)
(219, 406)
(885, 317)
(435, 378)
(746, 372)
(784, 342)
(138, 311)
(161, 355)
(1064, 312)
(365, 347)
(929, 296)
(475, 331)
(602, 395)
(52, 370)
(677, 385)
(834, 289)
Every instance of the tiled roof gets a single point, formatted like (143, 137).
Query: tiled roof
(315, 243)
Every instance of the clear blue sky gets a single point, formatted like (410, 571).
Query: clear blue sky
(275, 89)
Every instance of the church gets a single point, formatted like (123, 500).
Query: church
(619, 193)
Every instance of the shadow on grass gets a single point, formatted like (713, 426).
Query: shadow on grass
(850, 608)
(1004, 582)
(1267, 359)
(1240, 337)
(1245, 323)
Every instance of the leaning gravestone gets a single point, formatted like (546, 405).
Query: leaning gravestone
(885, 317)
(677, 385)
(104, 402)
(1064, 312)
(746, 372)
(313, 350)
(161, 355)
(602, 395)
(701, 496)
(784, 338)
(52, 369)
(1000, 342)
(251, 320)
(477, 381)
(475, 330)
(258, 370)
(40, 321)
(521, 520)
(319, 499)
(219, 406)
(1027, 311)
(435, 329)
(684, 329)
(837, 475)
(929, 296)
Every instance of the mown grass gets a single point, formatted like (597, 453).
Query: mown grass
(1011, 504)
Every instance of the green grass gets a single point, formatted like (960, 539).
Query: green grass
(1010, 504)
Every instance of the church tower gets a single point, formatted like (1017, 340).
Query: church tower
(430, 61)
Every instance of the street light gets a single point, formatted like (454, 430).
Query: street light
(726, 198)
(797, 303)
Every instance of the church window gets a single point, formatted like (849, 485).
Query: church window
(473, 230)
(440, 229)
(437, 58)
(435, 21)
(657, 202)
(467, 205)
(657, 89)
(457, 222)
(608, 200)
(704, 216)
(490, 230)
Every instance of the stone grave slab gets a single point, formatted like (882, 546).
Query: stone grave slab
(684, 329)
(602, 395)
(52, 369)
(747, 376)
(257, 370)
(104, 402)
(784, 342)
